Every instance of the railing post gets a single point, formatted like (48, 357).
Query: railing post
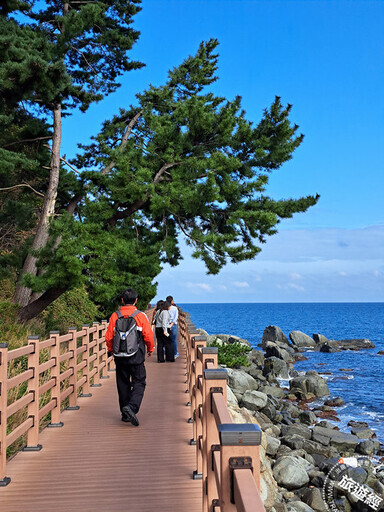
(196, 371)
(4, 480)
(55, 373)
(86, 355)
(33, 387)
(72, 381)
(239, 450)
(104, 357)
(214, 381)
(96, 351)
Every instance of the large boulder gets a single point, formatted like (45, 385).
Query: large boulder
(290, 472)
(344, 443)
(313, 498)
(276, 367)
(256, 357)
(273, 391)
(273, 333)
(356, 344)
(311, 382)
(319, 338)
(300, 340)
(240, 381)
(254, 400)
(276, 350)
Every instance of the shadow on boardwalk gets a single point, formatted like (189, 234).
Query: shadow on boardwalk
(96, 463)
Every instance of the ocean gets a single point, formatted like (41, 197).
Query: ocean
(362, 389)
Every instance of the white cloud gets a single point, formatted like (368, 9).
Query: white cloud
(296, 287)
(322, 265)
(240, 284)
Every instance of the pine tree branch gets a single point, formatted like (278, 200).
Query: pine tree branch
(23, 185)
(26, 140)
(107, 169)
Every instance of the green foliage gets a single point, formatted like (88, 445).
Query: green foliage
(181, 162)
(73, 309)
(232, 355)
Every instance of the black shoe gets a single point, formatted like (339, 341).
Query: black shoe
(125, 418)
(130, 415)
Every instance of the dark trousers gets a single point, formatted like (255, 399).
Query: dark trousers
(130, 380)
(164, 344)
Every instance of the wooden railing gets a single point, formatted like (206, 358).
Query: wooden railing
(227, 454)
(46, 373)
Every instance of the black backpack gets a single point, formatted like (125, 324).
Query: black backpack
(126, 338)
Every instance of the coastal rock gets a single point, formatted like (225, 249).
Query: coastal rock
(356, 344)
(273, 333)
(240, 381)
(274, 350)
(298, 506)
(273, 391)
(296, 429)
(344, 443)
(301, 340)
(256, 357)
(363, 433)
(329, 346)
(335, 402)
(273, 445)
(319, 338)
(313, 498)
(290, 472)
(254, 400)
(367, 447)
(381, 352)
(307, 417)
(277, 367)
(309, 383)
(268, 485)
(231, 398)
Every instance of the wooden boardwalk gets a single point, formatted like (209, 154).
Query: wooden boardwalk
(96, 463)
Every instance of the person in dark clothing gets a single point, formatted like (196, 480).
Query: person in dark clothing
(164, 341)
(130, 371)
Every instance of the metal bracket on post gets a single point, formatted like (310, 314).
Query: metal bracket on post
(238, 463)
(197, 476)
(215, 503)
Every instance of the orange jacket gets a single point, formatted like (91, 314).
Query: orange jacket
(142, 324)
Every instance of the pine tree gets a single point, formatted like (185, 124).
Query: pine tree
(182, 162)
(67, 55)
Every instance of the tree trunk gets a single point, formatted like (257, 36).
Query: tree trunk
(22, 294)
(37, 306)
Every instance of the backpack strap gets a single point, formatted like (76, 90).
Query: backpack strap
(135, 313)
(119, 314)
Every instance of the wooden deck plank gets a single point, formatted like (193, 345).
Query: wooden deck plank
(97, 463)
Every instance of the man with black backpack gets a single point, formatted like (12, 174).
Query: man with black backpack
(128, 333)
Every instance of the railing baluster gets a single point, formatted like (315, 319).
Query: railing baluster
(72, 381)
(55, 373)
(33, 387)
(86, 338)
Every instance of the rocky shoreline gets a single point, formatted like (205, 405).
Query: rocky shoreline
(300, 446)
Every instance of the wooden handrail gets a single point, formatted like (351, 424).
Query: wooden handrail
(76, 361)
(227, 454)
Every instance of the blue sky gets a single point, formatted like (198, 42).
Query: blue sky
(326, 58)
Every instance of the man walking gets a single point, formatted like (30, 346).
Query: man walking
(173, 316)
(130, 369)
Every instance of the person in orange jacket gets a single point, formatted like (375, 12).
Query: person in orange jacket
(130, 371)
